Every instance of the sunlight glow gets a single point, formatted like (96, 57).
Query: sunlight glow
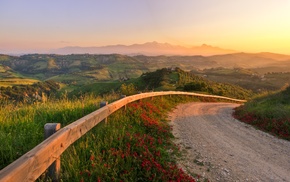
(242, 25)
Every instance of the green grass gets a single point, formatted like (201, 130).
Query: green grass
(97, 88)
(174, 77)
(273, 105)
(73, 79)
(248, 78)
(9, 77)
(104, 152)
(100, 74)
(17, 81)
(269, 112)
(135, 145)
(40, 65)
(21, 126)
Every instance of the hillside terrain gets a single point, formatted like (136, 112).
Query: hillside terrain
(268, 112)
(258, 72)
(167, 79)
(28, 93)
(246, 78)
(177, 79)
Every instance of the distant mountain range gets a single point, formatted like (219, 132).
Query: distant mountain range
(148, 49)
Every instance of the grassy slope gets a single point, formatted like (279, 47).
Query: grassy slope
(270, 113)
(177, 79)
(97, 88)
(18, 121)
(167, 79)
(134, 145)
(9, 77)
(17, 81)
(247, 78)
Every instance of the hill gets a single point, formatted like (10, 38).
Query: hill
(166, 79)
(260, 62)
(28, 93)
(10, 77)
(177, 79)
(71, 68)
(246, 78)
(269, 112)
(81, 69)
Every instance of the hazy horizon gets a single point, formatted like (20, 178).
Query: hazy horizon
(203, 50)
(244, 25)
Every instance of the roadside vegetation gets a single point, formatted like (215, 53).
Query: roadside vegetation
(268, 112)
(22, 125)
(135, 145)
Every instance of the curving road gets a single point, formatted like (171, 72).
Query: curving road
(220, 148)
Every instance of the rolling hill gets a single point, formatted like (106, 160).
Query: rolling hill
(168, 79)
(261, 71)
(268, 112)
(246, 78)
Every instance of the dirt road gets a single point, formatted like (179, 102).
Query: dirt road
(220, 148)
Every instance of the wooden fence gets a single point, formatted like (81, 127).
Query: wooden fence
(35, 162)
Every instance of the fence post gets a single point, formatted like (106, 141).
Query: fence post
(54, 168)
(103, 104)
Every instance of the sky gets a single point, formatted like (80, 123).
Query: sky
(28, 26)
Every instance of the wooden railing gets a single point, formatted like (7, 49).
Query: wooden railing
(35, 162)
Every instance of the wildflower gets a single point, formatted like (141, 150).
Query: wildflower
(92, 157)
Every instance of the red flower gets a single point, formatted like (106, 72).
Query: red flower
(92, 157)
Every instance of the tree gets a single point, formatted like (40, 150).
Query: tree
(128, 89)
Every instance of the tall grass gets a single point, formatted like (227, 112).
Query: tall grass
(135, 144)
(22, 125)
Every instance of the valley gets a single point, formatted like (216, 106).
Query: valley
(257, 72)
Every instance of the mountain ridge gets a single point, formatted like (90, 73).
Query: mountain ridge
(149, 48)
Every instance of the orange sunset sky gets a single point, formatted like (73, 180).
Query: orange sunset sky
(243, 25)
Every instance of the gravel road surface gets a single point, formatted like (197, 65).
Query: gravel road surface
(220, 148)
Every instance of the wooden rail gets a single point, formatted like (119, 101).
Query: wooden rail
(35, 162)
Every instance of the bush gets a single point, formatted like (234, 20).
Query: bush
(128, 89)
